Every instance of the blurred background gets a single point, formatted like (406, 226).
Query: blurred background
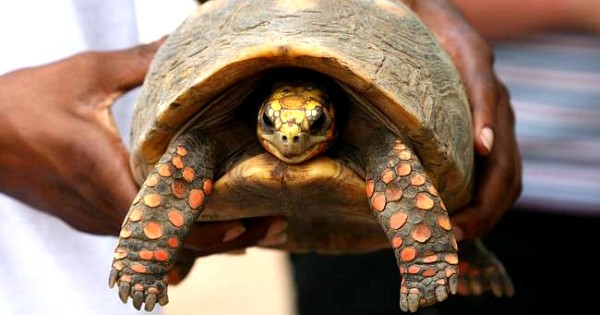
(257, 282)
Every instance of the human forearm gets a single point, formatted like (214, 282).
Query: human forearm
(510, 18)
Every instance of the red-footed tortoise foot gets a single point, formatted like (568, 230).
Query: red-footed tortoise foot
(158, 221)
(415, 220)
(147, 289)
(481, 272)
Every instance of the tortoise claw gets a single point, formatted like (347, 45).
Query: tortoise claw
(481, 271)
(138, 299)
(112, 279)
(150, 302)
(124, 291)
(144, 289)
(418, 291)
(441, 293)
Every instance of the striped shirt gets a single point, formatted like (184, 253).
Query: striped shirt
(554, 82)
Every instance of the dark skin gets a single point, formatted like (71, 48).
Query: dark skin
(498, 161)
(61, 153)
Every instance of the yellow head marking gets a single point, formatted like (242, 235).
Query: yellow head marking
(296, 122)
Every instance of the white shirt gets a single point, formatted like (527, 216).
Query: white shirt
(46, 267)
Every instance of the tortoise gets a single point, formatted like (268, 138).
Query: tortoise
(346, 117)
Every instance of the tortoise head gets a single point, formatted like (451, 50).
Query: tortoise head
(296, 121)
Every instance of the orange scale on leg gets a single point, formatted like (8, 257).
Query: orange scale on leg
(417, 180)
(176, 218)
(120, 253)
(405, 155)
(450, 272)
(125, 232)
(398, 219)
(153, 230)
(399, 146)
(397, 242)
(432, 190)
(196, 198)
(430, 258)
(177, 162)
(182, 151)
(403, 169)
(137, 199)
(146, 254)
(151, 181)
(136, 215)
(429, 272)
(178, 189)
(423, 201)
(118, 265)
(188, 174)
(408, 254)
(370, 188)
(421, 233)
(388, 175)
(161, 255)
(152, 200)
(139, 268)
(378, 201)
(414, 269)
(444, 222)
(451, 259)
(207, 187)
(173, 242)
(164, 170)
(393, 193)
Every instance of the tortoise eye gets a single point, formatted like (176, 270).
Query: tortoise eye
(267, 122)
(318, 123)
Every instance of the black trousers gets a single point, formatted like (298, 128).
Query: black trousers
(552, 260)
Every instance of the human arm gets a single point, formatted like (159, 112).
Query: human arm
(498, 162)
(510, 18)
(60, 151)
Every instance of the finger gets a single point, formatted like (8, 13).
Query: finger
(103, 175)
(482, 92)
(498, 182)
(207, 238)
(474, 59)
(126, 69)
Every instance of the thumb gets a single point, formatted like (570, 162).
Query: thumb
(123, 70)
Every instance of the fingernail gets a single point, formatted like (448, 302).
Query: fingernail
(274, 240)
(234, 233)
(458, 233)
(278, 226)
(487, 138)
(237, 252)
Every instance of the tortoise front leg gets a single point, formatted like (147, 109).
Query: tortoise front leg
(160, 217)
(415, 220)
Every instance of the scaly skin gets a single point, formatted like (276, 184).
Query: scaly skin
(159, 219)
(415, 220)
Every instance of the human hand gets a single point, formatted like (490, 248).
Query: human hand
(498, 162)
(61, 152)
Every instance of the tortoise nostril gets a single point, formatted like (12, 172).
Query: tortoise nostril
(284, 139)
(296, 139)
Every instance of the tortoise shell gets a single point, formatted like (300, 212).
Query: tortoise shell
(379, 51)
(403, 136)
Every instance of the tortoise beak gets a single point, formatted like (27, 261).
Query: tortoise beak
(293, 148)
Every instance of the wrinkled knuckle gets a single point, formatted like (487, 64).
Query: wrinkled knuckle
(146, 51)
